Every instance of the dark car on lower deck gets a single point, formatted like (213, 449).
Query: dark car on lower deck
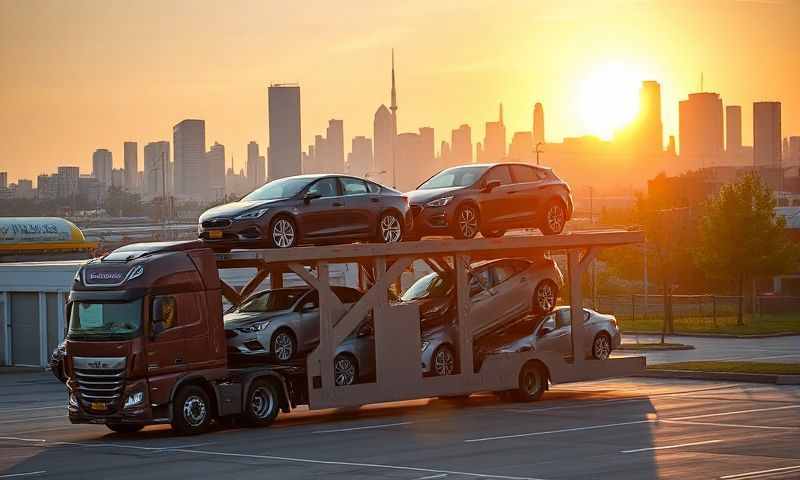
(490, 199)
(309, 209)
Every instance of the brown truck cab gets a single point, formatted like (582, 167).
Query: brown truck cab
(146, 345)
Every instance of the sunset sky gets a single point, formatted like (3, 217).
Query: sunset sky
(81, 75)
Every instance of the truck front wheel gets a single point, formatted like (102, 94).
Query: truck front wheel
(191, 410)
(124, 427)
(263, 403)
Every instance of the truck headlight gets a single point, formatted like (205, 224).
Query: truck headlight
(251, 214)
(425, 346)
(439, 202)
(134, 399)
(73, 400)
(256, 327)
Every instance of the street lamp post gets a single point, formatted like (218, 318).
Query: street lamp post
(537, 151)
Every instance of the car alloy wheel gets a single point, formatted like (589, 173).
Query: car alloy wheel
(194, 411)
(443, 361)
(283, 346)
(344, 370)
(545, 297)
(601, 349)
(283, 233)
(468, 222)
(555, 218)
(391, 231)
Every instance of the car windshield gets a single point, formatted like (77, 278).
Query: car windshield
(272, 301)
(90, 320)
(276, 189)
(454, 177)
(431, 285)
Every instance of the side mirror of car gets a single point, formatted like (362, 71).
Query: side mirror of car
(365, 331)
(311, 196)
(544, 331)
(307, 307)
(491, 185)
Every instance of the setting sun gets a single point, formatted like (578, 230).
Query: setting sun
(608, 98)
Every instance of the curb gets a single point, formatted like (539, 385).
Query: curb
(726, 376)
(717, 335)
(656, 349)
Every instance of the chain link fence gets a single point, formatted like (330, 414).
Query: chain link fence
(702, 308)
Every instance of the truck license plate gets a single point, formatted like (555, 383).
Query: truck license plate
(214, 234)
(98, 406)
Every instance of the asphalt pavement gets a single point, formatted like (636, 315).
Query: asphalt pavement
(771, 349)
(622, 429)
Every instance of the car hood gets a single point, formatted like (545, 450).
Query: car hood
(525, 343)
(235, 208)
(242, 319)
(425, 196)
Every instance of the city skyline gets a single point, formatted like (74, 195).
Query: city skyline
(443, 88)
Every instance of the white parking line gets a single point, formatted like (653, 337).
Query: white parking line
(564, 430)
(760, 473)
(738, 412)
(667, 447)
(733, 425)
(26, 474)
(368, 427)
(431, 477)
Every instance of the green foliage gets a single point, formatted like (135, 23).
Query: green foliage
(740, 235)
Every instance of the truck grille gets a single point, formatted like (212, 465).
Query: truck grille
(100, 385)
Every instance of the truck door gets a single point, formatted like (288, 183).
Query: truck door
(165, 340)
(194, 328)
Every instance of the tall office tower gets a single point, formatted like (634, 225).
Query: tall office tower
(651, 131)
(102, 165)
(215, 158)
(794, 151)
(733, 129)
(3, 180)
(361, 158)
(383, 140)
(521, 148)
(785, 155)
(700, 130)
(494, 144)
(767, 134)
(671, 145)
(410, 168)
(24, 188)
(118, 178)
(131, 164)
(157, 169)
(334, 144)
(256, 170)
(444, 154)
(538, 124)
(67, 182)
(283, 155)
(461, 146)
(191, 169)
(393, 108)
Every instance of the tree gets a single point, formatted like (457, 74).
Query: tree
(741, 238)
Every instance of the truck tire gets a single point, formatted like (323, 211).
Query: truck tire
(263, 403)
(124, 427)
(191, 410)
(532, 383)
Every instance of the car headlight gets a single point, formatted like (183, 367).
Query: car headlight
(256, 327)
(134, 399)
(251, 214)
(439, 202)
(425, 346)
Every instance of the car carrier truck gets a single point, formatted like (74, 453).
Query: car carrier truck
(146, 343)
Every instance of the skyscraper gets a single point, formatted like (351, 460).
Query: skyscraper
(102, 164)
(767, 134)
(361, 157)
(794, 151)
(538, 124)
(157, 169)
(333, 161)
(700, 130)
(3, 180)
(494, 143)
(131, 164)
(522, 146)
(215, 159)
(383, 138)
(284, 131)
(191, 168)
(651, 131)
(256, 173)
(393, 108)
(461, 146)
(733, 129)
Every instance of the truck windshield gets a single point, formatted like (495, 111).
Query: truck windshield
(96, 320)
(431, 285)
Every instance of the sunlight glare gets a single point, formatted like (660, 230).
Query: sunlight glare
(608, 98)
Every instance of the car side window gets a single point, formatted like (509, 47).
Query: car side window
(503, 271)
(311, 297)
(520, 265)
(524, 174)
(373, 187)
(499, 172)
(479, 281)
(325, 187)
(563, 317)
(164, 314)
(548, 324)
(353, 186)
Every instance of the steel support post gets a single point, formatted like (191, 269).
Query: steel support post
(463, 302)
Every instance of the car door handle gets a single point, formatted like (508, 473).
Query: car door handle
(512, 191)
(374, 200)
(337, 204)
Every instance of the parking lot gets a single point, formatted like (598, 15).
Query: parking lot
(624, 428)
